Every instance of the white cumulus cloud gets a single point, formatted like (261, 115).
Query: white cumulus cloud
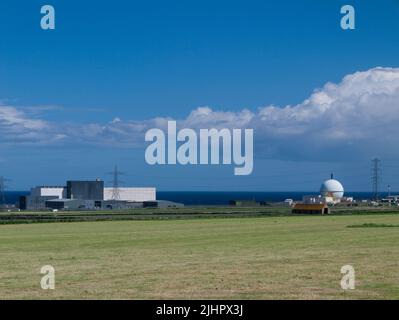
(354, 118)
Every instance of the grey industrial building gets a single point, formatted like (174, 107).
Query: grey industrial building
(88, 190)
(76, 195)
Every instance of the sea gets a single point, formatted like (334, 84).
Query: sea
(217, 198)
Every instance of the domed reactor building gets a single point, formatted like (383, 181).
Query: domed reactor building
(332, 190)
(331, 193)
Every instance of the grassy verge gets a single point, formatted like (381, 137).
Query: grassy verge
(171, 213)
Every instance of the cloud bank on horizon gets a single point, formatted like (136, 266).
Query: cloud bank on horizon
(355, 118)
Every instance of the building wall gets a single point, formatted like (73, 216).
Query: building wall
(117, 204)
(70, 204)
(132, 194)
(311, 209)
(40, 191)
(87, 190)
(37, 202)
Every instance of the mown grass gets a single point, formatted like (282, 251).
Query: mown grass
(296, 257)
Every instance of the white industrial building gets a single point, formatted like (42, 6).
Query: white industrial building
(125, 194)
(51, 191)
(131, 194)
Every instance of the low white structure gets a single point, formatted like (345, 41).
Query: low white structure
(53, 191)
(288, 202)
(132, 194)
(394, 198)
(347, 199)
(317, 199)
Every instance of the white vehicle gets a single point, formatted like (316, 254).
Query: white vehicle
(288, 202)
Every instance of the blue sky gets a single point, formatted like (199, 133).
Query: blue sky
(141, 60)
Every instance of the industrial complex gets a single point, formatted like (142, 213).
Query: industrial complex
(78, 195)
(90, 195)
(331, 194)
(93, 195)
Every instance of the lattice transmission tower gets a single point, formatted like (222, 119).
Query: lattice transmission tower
(376, 177)
(116, 183)
(2, 190)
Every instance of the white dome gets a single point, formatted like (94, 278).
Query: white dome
(332, 188)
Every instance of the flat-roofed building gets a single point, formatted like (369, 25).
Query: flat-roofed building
(38, 196)
(70, 204)
(44, 191)
(311, 208)
(131, 194)
(35, 202)
(91, 195)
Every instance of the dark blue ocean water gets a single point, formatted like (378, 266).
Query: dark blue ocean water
(216, 198)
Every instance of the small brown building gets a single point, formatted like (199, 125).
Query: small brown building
(311, 208)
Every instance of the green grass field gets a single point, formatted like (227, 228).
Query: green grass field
(293, 257)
